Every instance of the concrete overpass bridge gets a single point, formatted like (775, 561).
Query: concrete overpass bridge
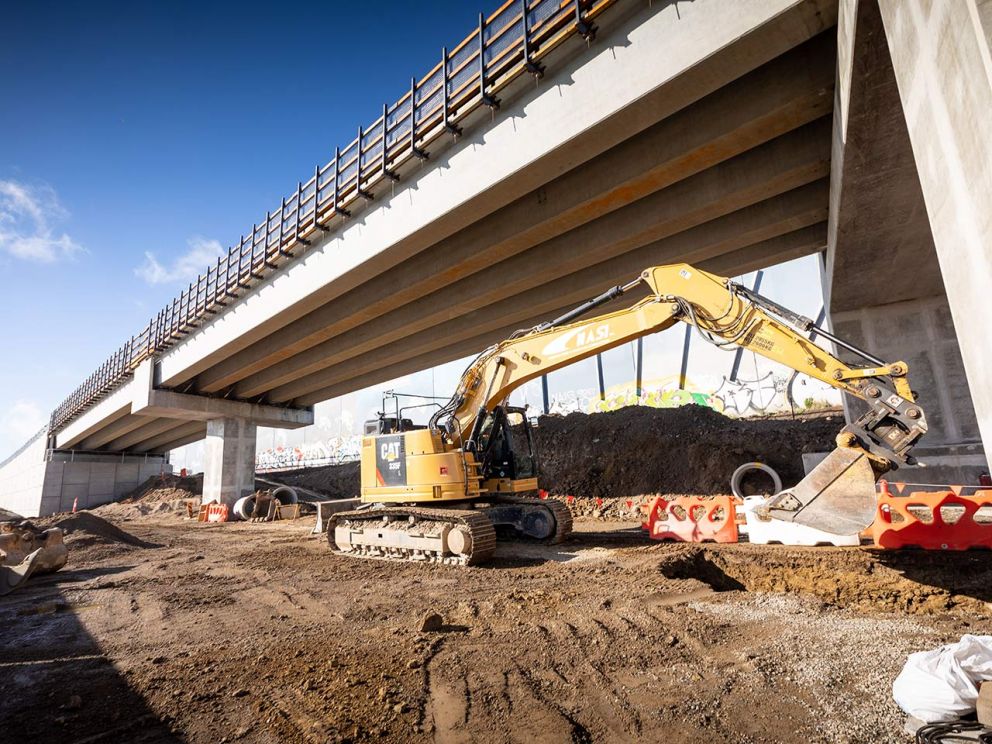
(558, 149)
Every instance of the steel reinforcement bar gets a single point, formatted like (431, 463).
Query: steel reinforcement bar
(507, 44)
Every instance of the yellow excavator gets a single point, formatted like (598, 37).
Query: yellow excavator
(443, 492)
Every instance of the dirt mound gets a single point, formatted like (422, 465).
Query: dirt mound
(166, 487)
(8, 516)
(334, 481)
(692, 449)
(637, 451)
(94, 529)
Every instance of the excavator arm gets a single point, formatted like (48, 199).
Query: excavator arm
(837, 496)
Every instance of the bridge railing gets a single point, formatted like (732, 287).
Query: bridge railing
(509, 43)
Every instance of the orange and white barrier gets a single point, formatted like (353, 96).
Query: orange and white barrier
(693, 519)
(941, 520)
(216, 513)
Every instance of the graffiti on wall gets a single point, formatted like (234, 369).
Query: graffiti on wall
(736, 398)
(330, 451)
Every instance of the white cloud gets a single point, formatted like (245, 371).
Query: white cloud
(186, 267)
(18, 423)
(28, 216)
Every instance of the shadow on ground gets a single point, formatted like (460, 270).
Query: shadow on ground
(56, 682)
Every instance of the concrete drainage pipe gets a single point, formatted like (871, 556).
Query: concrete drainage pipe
(738, 477)
(286, 495)
(244, 506)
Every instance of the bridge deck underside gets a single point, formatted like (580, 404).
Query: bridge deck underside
(735, 181)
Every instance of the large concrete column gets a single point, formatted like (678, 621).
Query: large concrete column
(229, 465)
(886, 284)
(940, 52)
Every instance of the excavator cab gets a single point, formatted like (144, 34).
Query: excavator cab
(506, 451)
(388, 425)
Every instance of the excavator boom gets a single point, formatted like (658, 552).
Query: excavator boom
(838, 496)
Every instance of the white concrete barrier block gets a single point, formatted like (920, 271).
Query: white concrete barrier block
(764, 531)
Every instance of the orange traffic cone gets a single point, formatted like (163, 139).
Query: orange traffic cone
(75, 504)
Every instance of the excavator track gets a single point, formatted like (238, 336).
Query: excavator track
(559, 512)
(458, 537)
(563, 519)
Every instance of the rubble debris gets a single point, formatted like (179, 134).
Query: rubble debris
(431, 623)
(333, 481)
(640, 450)
(8, 516)
(26, 550)
(89, 528)
(166, 487)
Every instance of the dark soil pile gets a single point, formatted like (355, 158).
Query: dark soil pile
(334, 481)
(167, 487)
(90, 528)
(640, 450)
(9, 516)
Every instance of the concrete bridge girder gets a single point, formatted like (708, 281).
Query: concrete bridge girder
(184, 434)
(803, 242)
(788, 162)
(755, 109)
(478, 329)
(624, 83)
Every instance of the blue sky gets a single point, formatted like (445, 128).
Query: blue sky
(139, 139)
(167, 129)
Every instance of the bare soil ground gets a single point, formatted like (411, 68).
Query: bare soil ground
(178, 631)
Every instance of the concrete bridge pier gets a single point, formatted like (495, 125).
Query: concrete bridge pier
(229, 460)
(909, 256)
(230, 427)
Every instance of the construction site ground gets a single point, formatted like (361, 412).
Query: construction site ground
(160, 629)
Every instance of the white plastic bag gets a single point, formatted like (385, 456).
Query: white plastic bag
(942, 685)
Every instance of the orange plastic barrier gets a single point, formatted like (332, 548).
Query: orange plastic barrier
(898, 521)
(693, 519)
(216, 512)
(645, 509)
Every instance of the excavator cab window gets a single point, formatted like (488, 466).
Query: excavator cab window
(506, 445)
(388, 425)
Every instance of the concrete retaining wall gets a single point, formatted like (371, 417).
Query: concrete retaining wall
(22, 478)
(32, 486)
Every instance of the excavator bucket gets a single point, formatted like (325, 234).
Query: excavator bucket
(12, 577)
(838, 495)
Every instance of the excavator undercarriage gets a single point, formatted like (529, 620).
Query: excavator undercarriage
(449, 535)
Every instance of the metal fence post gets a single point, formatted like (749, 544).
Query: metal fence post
(385, 170)
(486, 98)
(358, 170)
(417, 152)
(299, 215)
(534, 68)
(337, 177)
(445, 119)
(585, 30)
(639, 368)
